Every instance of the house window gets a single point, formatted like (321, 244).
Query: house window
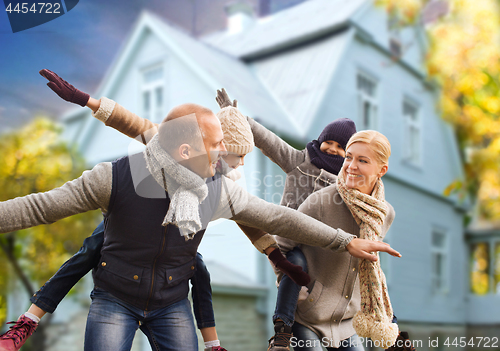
(367, 95)
(412, 133)
(438, 261)
(480, 267)
(152, 93)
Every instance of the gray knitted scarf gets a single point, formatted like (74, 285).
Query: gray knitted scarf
(185, 188)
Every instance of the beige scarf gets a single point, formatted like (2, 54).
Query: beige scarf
(186, 189)
(374, 320)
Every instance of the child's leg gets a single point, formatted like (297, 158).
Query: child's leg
(53, 291)
(202, 303)
(57, 287)
(286, 303)
(288, 291)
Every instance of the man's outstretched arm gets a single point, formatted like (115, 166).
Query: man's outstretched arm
(246, 209)
(91, 191)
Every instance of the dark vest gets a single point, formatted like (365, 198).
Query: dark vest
(142, 262)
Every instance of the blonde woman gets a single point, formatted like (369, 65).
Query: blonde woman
(356, 204)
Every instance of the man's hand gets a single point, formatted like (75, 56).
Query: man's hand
(223, 99)
(65, 90)
(362, 248)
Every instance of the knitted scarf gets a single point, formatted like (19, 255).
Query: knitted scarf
(185, 188)
(322, 160)
(374, 320)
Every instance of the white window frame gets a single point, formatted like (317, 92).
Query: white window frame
(156, 111)
(367, 98)
(412, 153)
(443, 280)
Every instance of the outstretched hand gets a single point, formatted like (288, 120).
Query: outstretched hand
(362, 248)
(65, 90)
(223, 99)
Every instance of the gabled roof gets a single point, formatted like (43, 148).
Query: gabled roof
(223, 276)
(215, 68)
(230, 73)
(289, 27)
(299, 78)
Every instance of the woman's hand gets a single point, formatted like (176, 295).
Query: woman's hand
(362, 248)
(65, 90)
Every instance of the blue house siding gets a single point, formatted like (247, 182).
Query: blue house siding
(417, 215)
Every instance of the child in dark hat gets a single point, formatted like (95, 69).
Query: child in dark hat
(328, 151)
(326, 157)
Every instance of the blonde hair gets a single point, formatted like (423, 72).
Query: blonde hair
(378, 141)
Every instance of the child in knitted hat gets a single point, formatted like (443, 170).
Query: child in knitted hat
(238, 139)
(308, 170)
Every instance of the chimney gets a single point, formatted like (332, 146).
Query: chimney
(240, 16)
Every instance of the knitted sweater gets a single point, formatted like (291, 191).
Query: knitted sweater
(334, 295)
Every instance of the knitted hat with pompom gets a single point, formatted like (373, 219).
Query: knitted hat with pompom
(238, 136)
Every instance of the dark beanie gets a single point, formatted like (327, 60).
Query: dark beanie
(339, 130)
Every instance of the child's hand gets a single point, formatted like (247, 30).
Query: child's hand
(223, 99)
(65, 90)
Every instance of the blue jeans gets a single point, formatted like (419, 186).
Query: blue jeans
(304, 339)
(288, 291)
(56, 288)
(112, 323)
(74, 269)
(202, 295)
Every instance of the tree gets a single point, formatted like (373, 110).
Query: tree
(464, 58)
(35, 159)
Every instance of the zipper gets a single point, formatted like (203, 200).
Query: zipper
(154, 267)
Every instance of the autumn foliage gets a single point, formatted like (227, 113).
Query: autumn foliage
(464, 59)
(34, 159)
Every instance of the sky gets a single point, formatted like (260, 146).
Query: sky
(79, 46)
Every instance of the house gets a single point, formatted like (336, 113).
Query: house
(296, 71)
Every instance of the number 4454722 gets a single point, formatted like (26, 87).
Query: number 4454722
(477, 341)
(35, 8)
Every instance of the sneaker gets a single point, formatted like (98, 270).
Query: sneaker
(403, 343)
(213, 348)
(17, 335)
(281, 339)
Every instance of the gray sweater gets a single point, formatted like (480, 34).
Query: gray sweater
(302, 177)
(92, 191)
(334, 295)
